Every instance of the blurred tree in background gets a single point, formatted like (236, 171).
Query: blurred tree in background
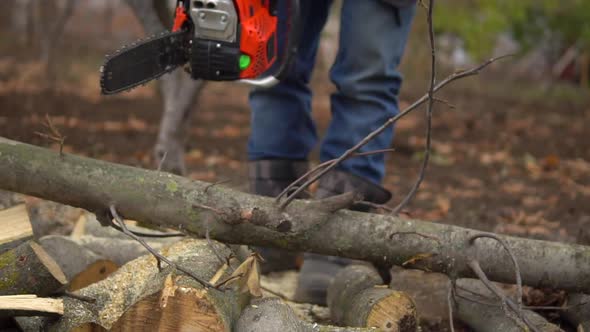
(479, 22)
(559, 31)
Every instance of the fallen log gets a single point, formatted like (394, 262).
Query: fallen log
(317, 226)
(357, 297)
(30, 305)
(16, 227)
(28, 269)
(578, 312)
(139, 297)
(477, 307)
(272, 314)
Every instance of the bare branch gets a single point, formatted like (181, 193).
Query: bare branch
(476, 268)
(455, 76)
(429, 110)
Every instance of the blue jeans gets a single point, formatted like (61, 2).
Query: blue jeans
(372, 40)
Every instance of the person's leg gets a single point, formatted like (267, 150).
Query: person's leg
(282, 127)
(283, 132)
(372, 40)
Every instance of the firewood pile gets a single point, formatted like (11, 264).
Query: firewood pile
(95, 278)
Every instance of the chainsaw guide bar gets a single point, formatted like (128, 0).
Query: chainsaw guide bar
(143, 61)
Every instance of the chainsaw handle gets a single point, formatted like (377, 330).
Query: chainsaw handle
(293, 39)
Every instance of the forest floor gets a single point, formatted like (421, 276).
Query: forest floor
(509, 157)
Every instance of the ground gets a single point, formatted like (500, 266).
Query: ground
(509, 156)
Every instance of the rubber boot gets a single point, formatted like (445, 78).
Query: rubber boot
(318, 271)
(270, 178)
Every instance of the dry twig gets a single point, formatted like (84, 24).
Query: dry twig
(429, 110)
(350, 152)
(53, 135)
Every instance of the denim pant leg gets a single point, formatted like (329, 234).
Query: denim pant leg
(372, 40)
(282, 127)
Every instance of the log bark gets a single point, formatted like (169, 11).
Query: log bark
(30, 305)
(578, 313)
(272, 314)
(485, 314)
(139, 297)
(28, 269)
(16, 227)
(358, 298)
(316, 226)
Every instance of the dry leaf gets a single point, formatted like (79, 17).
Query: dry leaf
(247, 276)
(419, 257)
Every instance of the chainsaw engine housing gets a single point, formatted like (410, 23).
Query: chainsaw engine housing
(233, 39)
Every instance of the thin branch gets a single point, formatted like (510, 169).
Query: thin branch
(79, 297)
(505, 301)
(453, 77)
(450, 296)
(429, 110)
(54, 134)
(512, 257)
(295, 184)
(426, 236)
(215, 184)
(160, 258)
(151, 235)
(162, 160)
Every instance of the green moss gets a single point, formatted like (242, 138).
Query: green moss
(9, 279)
(172, 186)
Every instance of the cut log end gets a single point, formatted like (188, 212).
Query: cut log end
(392, 311)
(179, 309)
(356, 299)
(93, 273)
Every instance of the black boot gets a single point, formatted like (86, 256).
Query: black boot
(270, 178)
(318, 271)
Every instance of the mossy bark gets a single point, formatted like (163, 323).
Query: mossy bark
(139, 296)
(233, 217)
(28, 269)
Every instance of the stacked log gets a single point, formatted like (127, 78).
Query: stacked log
(357, 298)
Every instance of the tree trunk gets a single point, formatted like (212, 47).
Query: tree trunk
(358, 298)
(28, 269)
(16, 227)
(139, 297)
(484, 312)
(179, 93)
(194, 207)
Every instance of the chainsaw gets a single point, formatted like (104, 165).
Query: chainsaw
(215, 40)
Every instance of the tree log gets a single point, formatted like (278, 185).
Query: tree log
(80, 265)
(578, 313)
(272, 314)
(139, 297)
(30, 305)
(316, 226)
(28, 269)
(358, 298)
(484, 312)
(16, 227)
